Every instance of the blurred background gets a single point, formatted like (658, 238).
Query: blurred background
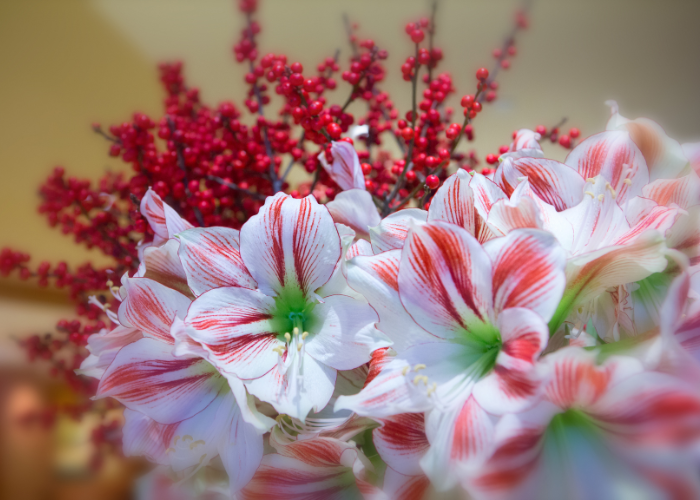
(68, 63)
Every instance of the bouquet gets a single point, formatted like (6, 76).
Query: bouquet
(404, 324)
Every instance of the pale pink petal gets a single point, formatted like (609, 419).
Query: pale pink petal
(454, 202)
(305, 385)
(514, 384)
(614, 156)
(355, 209)
(691, 150)
(151, 307)
(525, 143)
(445, 279)
(684, 191)
(528, 271)
(554, 183)
(290, 244)
(343, 334)
(659, 218)
(164, 221)
(162, 264)
(391, 232)
(236, 326)
(518, 212)
(377, 279)
(103, 348)
(401, 442)
(345, 169)
(679, 320)
(146, 377)
(337, 284)
(461, 438)
(211, 259)
(486, 194)
(360, 247)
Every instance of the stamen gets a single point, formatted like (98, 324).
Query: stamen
(109, 283)
(187, 438)
(405, 369)
(299, 346)
(418, 378)
(175, 440)
(600, 197)
(628, 182)
(169, 451)
(287, 337)
(296, 330)
(610, 188)
(279, 349)
(304, 335)
(195, 444)
(432, 388)
(419, 366)
(588, 192)
(591, 180)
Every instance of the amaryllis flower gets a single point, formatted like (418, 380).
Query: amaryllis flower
(320, 468)
(345, 168)
(603, 431)
(525, 144)
(486, 310)
(355, 209)
(282, 338)
(163, 219)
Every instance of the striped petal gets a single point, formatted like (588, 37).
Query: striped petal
(345, 170)
(514, 384)
(164, 221)
(528, 271)
(684, 191)
(162, 264)
(376, 277)
(679, 320)
(236, 326)
(401, 442)
(290, 244)
(391, 232)
(151, 307)
(445, 280)
(525, 144)
(211, 259)
(614, 156)
(397, 485)
(355, 209)
(104, 347)
(461, 438)
(554, 183)
(147, 378)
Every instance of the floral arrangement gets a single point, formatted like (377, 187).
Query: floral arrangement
(395, 327)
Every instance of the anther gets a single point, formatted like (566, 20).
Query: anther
(628, 182)
(287, 337)
(600, 197)
(418, 378)
(432, 388)
(405, 369)
(591, 180)
(304, 335)
(279, 349)
(299, 345)
(296, 330)
(588, 192)
(419, 366)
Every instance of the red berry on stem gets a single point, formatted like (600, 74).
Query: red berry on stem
(432, 181)
(565, 141)
(491, 158)
(574, 133)
(482, 74)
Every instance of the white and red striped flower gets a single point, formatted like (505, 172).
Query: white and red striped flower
(319, 468)
(479, 319)
(281, 337)
(603, 431)
(345, 168)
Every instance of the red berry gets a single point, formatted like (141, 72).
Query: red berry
(467, 101)
(541, 129)
(432, 181)
(334, 130)
(417, 36)
(410, 176)
(491, 158)
(574, 133)
(482, 74)
(565, 141)
(297, 67)
(476, 106)
(503, 149)
(366, 168)
(315, 108)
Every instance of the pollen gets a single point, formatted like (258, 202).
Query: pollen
(279, 349)
(610, 188)
(591, 180)
(296, 330)
(628, 182)
(299, 346)
(588, 192)
(405, 369)
(169, 451)
(187, 438)
(304, 335)
(287, 337)
(432, 388)
(419, 366)
(196, 443)
(600, 197)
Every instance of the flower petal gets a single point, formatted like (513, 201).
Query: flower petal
(345, 170)
(461, 438)
(151, 307)
(212, 259)
(162, 264)
(290, 244)
(397, 485)
(614, 156)
(684, 191)
(528, 271)
(514, 384)
(305, 385)
(236, 326)
(164, 221)
(377, 279)
(355, 209)
(445, 279)
(146, 377)
(391, 232)
(104, 347)
(554, 183)
(401, 442)
(525, 143)
(343, 335)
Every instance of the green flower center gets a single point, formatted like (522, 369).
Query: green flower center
(293, 315)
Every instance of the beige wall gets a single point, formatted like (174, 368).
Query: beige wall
(66, 63)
